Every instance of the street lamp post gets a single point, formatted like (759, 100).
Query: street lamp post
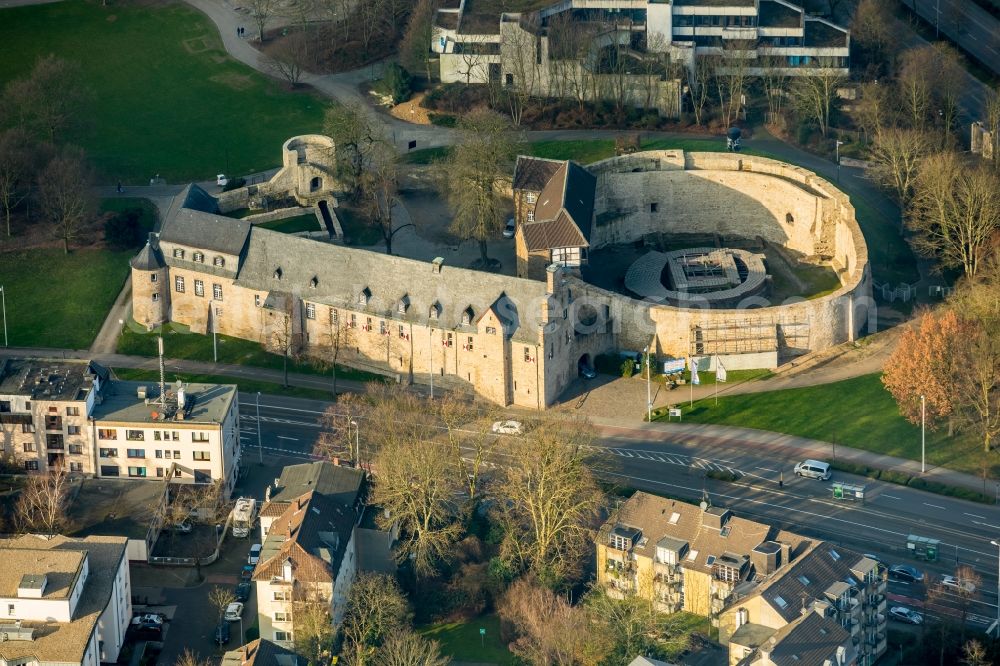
(260, 442)
(998, 586)
(923, 435)
(3, 300)
(839, 144)
(649, 394)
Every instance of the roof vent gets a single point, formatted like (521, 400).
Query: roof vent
(436, 264)
(15, 632)
(32, 586)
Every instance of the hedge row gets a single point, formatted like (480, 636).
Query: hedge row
(903, 479)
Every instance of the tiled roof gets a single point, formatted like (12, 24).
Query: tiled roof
(812, 639)
(260, 652)
(532, 173)
(193, 220)
(335, 481)
(564, 213)
(67, 641)
(313, 534)
(548, 234)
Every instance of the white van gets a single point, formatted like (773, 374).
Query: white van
(814, 469)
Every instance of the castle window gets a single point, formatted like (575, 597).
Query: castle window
(382, 328)
(277, 273)
(402, 331)
(179, 284)
(527, 354)
(467, 316)
(199, 257)
(403, 304)
(314, 282)
(450, 341)
(256, 300)
(491, 330)
(219, 261)
(789, 219)
(156, 297)
(199, 287)
(468, 344)
(364, 296)
(435, 310)
(531, 216)
(152, 277)
(178, 253)
(653, 206)
(354, 321)
(333, 316)
(217, 291)
(310, 311)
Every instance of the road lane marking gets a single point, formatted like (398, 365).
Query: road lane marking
(936, 506)
(992, 527)
(975, 516)
(292, 439)
(767, 469)
(888, 496)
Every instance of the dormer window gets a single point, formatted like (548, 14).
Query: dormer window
(403, 304)
(278, 273)
(435, 311)
(530, 197)
(219, 261)
(178, 253)
(467, 316)
(199, 257)
(364, 296)
(314, 282)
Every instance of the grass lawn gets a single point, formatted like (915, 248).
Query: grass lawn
(147, 221)
(356, 231)
(180, 342)
(245, 385)
(890, 257)
(291, 225)
(55, 299)
(166, 98)
(462, 642)
(856, 412)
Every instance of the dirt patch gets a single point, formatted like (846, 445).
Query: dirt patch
(112, 18)
(411, 111)
(233, 80)
(197, 44)
(220, 58)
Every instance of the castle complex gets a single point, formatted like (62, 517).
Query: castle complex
(520, 340)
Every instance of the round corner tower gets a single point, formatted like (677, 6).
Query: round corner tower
(150, 286)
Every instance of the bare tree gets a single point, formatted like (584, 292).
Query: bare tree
(189, 658)
(220, 598)
(476, 176)
(407, 648)
(518, 61)
(775, 78)
(992, 115)
(48, 101)
(915, 82)
(261, 12)
(870, 28)
(814, 95)
(974, 654)
(473, 444)
(548, 630)
(550, 502)
(375, 609)
(699, 85)
(65, 196)
(380, 190)
(876, 109)
(312, 626)
(339, 336)
(42, 505)
(289, 59)
(18, 165)
(368, 19)
(948, 83)
(979, 393)
(414, 48)
(732, 76)
(894, 159)
(356, 135)
(955, 211)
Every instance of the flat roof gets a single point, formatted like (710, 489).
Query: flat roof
(205, 403)
(61, 569)
(116, 507)
(42, 379)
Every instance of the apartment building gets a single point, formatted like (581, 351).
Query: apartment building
(342, 484)
(66, 602)
(71, 415)
(261, 652)
(560, 48)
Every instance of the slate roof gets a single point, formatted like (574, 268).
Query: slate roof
(66, 642)
(313, 534)
(342, 273)
(193, 220)
(373, 550)
(810, 640)
(564, 211)
(149, 257)
(260, 652)
(811, 575)
(532, 173)
(335, 481)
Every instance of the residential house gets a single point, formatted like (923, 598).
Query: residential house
(339, 483)
(261, 652)
(66, 602)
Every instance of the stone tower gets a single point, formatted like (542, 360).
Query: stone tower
(150, 286)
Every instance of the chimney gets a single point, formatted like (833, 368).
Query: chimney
(551, 275)
(436, 264)
(786, 554)
(841, 655)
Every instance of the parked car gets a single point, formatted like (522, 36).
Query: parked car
(221, 180)
(508, 428)
(254, 555)
(907, 615)
(814, 469)
(247, 572)
(905, 573)
(146, 631)
(222, 633)
(184, 527)
(508, 230)
(585, 370)
(234, 611)
(961, 586)
(243, 591)
(148, 618)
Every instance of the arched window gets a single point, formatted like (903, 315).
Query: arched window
(315, 184)
(277, 273)
(364, 296)
(314, 282)
(435, 310)
(467, 316)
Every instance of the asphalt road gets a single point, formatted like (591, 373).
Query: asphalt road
(667, 464)
(967, 24)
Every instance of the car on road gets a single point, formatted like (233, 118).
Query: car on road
(508, 230)
(243, 591)
(907, 615)
(814, 469)
(508, 428)
(247, 572)
(221, 180)
(234, 612)
(222, 633)
(961, 586)
(254, 555)
(905, 573)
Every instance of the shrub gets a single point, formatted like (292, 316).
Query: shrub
(398, 83)
(722, 475)
(443, 120)
(950, 491)
(627, 368)
(900, 478)
(122, 230)
(853, 468)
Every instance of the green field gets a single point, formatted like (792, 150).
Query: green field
(245, 385)
(180, 342)
(166, 98)
(55, 299)
(462, 641)
(291, 225)
(890, 257)
(149, 212)
(856, 412)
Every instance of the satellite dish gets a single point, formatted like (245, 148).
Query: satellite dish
(703, 505)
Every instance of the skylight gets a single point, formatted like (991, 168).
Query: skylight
(724, 532)
(834, 554)
(674, 517)
(781, 602)
(804, 580)
(711, 560)
(692, 556)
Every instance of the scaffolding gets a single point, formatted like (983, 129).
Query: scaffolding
(749, 335)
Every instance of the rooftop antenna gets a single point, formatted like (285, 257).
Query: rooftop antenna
(163, 392)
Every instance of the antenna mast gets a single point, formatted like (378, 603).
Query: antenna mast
(163, 393)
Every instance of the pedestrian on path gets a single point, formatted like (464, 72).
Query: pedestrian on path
(120, 190)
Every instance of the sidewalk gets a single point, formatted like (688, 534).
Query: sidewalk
(787, 446)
